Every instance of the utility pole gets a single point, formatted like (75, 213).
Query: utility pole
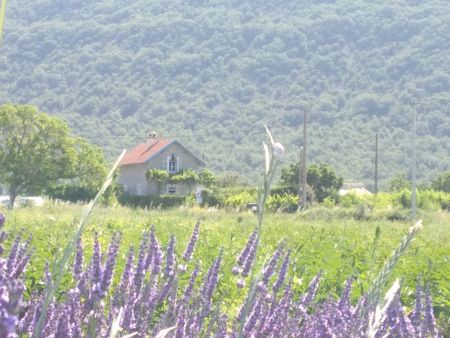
(300, 179)
(376, 164)
(305, 142)
(413, 189)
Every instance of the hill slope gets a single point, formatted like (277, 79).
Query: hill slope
(212, 72)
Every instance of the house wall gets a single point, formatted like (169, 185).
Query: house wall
(133, 178)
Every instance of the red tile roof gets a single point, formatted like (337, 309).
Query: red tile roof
(144, 151)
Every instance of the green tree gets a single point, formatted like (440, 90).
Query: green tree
(86, 177)
(158, 175)
(442, 182)
(35, 150)
(289, 177)
(399, 182)
(206, 177)
(322, 179)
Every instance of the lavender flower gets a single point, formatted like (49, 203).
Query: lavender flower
(282, 274)
(78, 265)
(310, 294)
(246, 250)
(170, 259)
(270, 267)
(430, 322)
(190, 287)
(157, 258)
(187, 255)
(249, 259)
(140, 268)
(108, 269)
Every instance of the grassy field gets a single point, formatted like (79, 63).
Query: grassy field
(341, 247)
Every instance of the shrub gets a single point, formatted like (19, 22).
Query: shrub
(240, 200)
(349, 200)
(282, 203)
(163, 201)
(212, 198)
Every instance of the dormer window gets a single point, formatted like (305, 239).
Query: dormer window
(172, 164)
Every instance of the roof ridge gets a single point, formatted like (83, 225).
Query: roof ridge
(150, 147)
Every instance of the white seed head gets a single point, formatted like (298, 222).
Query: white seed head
(278, 149)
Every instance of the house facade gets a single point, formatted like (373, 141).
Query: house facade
(156, 153)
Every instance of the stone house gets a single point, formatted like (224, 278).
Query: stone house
(156, 153)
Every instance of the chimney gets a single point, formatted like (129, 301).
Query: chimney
(152, 135)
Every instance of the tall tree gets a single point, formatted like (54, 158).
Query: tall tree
(322, 179)
(37, 152)
(442, 182)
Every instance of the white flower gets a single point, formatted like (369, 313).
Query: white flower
(278, 149)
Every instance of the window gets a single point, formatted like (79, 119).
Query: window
(172, 164)
(171, 190)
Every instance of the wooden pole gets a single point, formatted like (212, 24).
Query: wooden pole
(376, 164)
(305, 142)
(414, 183)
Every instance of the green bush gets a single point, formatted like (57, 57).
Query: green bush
(282, 203)
(349, 200)
(212, 198)
(163, 201)
(241, 200)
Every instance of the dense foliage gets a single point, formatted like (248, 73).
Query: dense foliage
(210, 72)
(37, 154)
(321, 178)
(442, 182)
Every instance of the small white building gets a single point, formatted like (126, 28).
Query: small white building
(156, 153)
(357, 189)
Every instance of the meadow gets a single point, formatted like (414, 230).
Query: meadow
(338, 246)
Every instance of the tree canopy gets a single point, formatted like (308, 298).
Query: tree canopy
(442, 182)
(321, 178)
(37, 152)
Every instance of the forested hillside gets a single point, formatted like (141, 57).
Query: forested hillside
(210, 73)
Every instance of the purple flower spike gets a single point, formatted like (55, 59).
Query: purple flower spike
(181, 322)
(310, 294)
(169, 270)
(416, 314)
(110, 263)
(157, 258)
(270, 267)
(140, 268)
(344, 304)
(253, 318)
(187, 255)
(2, 219)
(249, 259)
(190, 287)
(149, 258)
(283, 272)
(430, 321)
(96, 262)
(78, 266)
(246, 251)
